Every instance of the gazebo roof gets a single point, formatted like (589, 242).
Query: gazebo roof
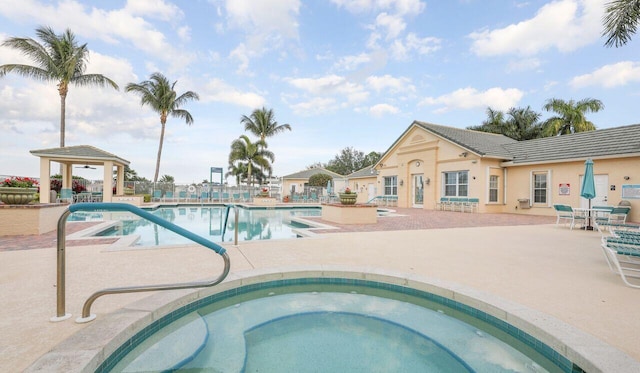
(79, 154)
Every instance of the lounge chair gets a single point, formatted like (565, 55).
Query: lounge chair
(623, 258)
(568, 215)
(246, 197)
(225, 197)
(215, 196)
(236, 197)
(204, 196)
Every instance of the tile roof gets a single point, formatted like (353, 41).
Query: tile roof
(482, 143)
(608, 142)
(80, 152)
(365, 172)
(305, 174)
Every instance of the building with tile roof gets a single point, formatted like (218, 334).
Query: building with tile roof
(429, 162)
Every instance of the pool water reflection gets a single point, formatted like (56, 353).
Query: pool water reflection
(205, 221)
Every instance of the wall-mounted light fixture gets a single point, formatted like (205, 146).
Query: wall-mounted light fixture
(627, 178)
(418, 164)
(401, 182)
(463, 154)
(427, 181)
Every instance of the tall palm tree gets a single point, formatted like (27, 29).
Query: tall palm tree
(251, 154)
(60, 59)
(620, 21)
(571, 118)
(158, 93)
(262, 123)
(495, 122)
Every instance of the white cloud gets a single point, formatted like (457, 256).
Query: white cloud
(393, 24)
(315, 106)
(331, 92)
(609, 76)
(401, 7)
(157, 9)
(353, 62)
(524, 64)
(217, 90)
(565, 25)
(468, 98)
(267, 26)
(111, 26)
(382, 109)
(401, 49)
(393, 85)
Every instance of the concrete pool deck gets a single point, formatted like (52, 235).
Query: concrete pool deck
(550, 269)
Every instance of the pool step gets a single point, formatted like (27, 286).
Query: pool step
(171, 347)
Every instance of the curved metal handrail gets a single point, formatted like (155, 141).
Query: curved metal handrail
(86, 309)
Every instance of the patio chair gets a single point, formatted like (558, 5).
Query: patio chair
(168, 196)
(246, 197)
(157, 195)
(215, 196)
(471, 205)
(623, 258)
(66, 195)
(442, 204)
(204, 196)
(618, 214)
(182, 196)
(225, 197)
(568, 215)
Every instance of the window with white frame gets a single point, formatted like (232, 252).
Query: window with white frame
(540, 187)
(493, 188)
(456, 184)
(390, 185)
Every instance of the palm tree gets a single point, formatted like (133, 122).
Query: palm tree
(494, 123)
(523, 124)
(620, 21)
(262, 124)
(158, 93)
(251, 155)
(571, 118)
(59, 59)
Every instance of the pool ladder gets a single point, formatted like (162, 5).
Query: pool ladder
(86, 309)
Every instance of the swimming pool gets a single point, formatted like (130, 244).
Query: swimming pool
(362, 325)
(207, 221)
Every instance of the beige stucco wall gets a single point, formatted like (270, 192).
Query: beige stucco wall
(570, 173)
(30, 219)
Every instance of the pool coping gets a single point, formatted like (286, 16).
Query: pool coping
(88, 348)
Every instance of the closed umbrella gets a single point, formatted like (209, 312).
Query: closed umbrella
(588, 190)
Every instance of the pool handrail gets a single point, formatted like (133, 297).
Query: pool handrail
(226, 219)
(101, 206)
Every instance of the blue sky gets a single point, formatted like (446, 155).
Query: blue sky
(341, 73)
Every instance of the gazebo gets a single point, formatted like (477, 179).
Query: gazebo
(80, 155)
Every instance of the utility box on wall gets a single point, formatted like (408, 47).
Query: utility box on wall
(524, 203)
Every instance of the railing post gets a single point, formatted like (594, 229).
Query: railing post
(61, 314)
(235, 238)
